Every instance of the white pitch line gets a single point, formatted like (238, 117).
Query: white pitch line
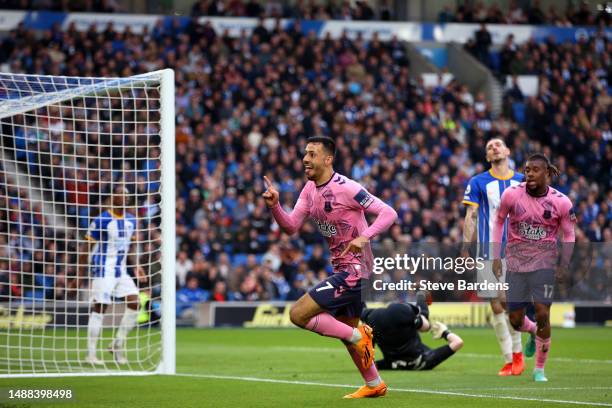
(342, 350)
(413, 390)
(521, 388)
(560, 359)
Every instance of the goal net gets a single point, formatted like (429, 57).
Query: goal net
(87, 212)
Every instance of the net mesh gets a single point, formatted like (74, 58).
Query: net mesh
(66, 143)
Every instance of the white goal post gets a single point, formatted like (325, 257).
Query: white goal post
(87, 216)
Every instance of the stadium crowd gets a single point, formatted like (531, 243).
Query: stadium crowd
(573, 98)
(530, 12)
(244, 107)
(300, 9)
(98, 6)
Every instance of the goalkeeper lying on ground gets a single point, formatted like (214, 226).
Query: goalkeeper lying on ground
(396, 330)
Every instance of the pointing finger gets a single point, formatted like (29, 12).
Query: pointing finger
(267, 182)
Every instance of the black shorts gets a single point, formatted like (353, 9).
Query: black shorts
(529, 287)
(427, 360)
(340, 294)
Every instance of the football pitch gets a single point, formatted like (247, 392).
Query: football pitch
(290, 367)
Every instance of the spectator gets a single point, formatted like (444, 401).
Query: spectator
(483, 42)
(531, 13)
(297, 288)
(184, 265)
(220, 294)
(249, 289)
(445, 15)
(187, 297)
(535, 15)
(515, 14)
(514, 93)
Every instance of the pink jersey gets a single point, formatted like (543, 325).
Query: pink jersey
(533, 226)
(338, 209)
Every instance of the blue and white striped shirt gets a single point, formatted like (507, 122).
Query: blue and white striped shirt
(113, 235)
(484, 191)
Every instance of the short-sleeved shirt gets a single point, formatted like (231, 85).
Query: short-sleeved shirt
(113, 235)
(484, 191)
(534, 224)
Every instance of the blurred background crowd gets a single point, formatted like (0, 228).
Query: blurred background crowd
(579, 13)
(244, 108)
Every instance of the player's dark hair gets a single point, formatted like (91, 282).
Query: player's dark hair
(552, 169)
(328, 143)
(497, 138)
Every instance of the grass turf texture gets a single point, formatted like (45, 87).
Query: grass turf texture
(579, 371)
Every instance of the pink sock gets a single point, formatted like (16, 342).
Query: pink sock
(369, 375)
(528, 326)
(326, 325)
(542, 347)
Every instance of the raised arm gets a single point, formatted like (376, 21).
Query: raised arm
(289, 222)
(293, 221)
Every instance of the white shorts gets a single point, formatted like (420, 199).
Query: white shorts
(486, 274)
(103, 290)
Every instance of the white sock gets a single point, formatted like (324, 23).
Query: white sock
(356, 336)
(375, 382)
(500, 324)
(94, 327)
(128, 322)
(517, 341)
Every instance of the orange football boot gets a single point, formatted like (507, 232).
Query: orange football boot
(506, 370)
(518, 364)
(369, 392)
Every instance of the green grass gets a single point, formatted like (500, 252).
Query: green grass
(579, 370)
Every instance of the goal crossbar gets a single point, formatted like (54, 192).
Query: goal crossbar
(16, 104)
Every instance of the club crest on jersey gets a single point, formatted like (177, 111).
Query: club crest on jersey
(328, 206)
(326, 229)
(530, 232)
(363, 198)
(547, 214)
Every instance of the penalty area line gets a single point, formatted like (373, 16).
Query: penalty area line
(413, 390)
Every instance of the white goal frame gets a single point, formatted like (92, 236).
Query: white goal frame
(167, 362)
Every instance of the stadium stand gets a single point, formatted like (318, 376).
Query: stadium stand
(524, 13)
(345, 10)
(99, 6)
(245, 106)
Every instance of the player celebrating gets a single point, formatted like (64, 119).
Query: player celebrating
(536, 213)
(396, 331)
(482, 197)
(110, 234)
(338, 206)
